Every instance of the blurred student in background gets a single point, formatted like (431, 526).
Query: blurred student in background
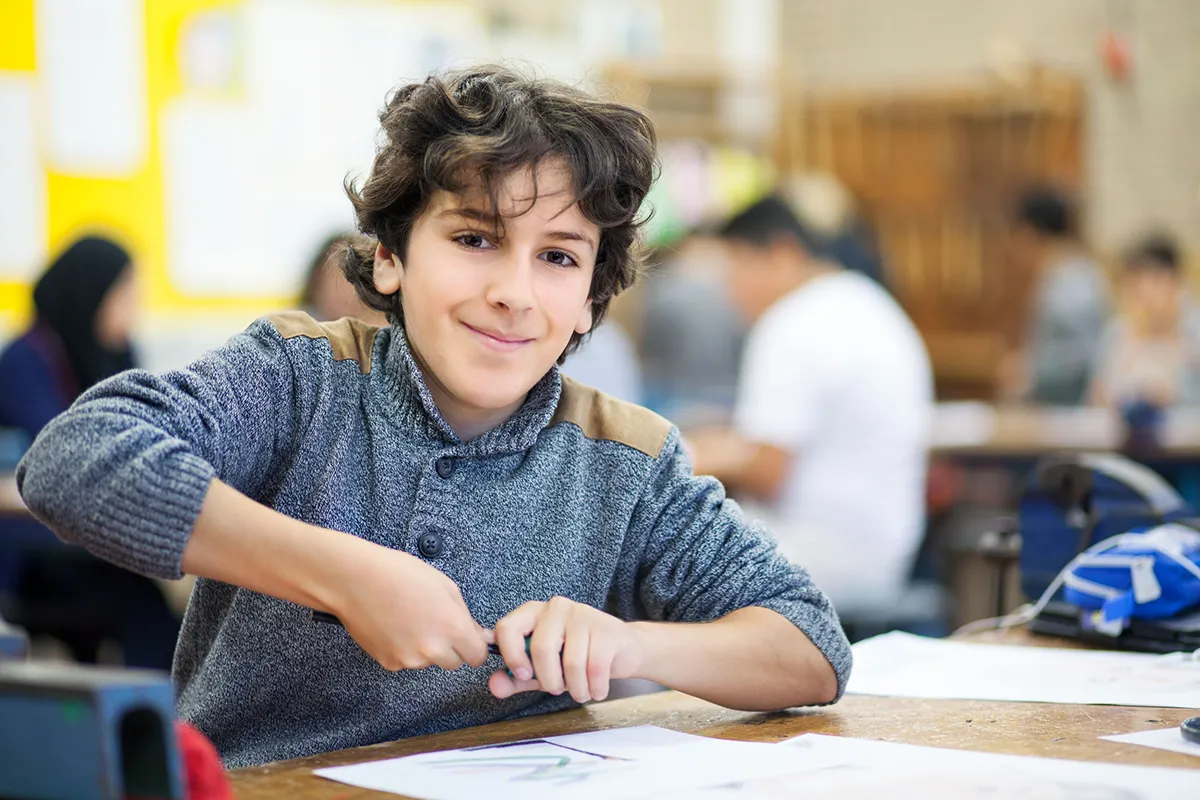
(85, 307)
(1070, 304)
(327, 295)
(1150, 352)
(829, 209)
(691, 335)
(832, 419)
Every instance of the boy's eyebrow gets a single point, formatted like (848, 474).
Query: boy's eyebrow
(469, 213)
(571, 236)
(489, 219)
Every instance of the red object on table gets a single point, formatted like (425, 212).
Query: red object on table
(205, 776)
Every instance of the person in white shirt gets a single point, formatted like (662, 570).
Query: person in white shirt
(835, 397)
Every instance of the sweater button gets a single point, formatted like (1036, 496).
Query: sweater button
(444, 466)
(431, 545)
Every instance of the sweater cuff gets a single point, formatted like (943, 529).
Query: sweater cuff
(823, 630)
(154, 514)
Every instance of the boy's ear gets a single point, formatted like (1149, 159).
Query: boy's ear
(387, 271)
(584, 323)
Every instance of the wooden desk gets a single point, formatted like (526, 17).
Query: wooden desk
(1035, 729)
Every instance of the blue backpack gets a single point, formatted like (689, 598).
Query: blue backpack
(1148, 574)
(1075, 502)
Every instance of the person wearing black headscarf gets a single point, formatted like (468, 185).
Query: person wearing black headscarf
(83, 309)
(78, 338)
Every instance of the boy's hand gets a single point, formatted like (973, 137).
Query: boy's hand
(574, 647)
(407, 615)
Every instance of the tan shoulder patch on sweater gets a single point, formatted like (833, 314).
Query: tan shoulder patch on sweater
(350, 339)
(605, 418)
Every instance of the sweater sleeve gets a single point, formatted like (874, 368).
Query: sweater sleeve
(692, 557)
(125, 470)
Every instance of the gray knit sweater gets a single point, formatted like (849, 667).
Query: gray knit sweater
(576, 494)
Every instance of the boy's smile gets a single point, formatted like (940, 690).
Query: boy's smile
(488, 309)
(498, 340)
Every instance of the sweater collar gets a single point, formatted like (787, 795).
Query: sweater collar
(417, 411)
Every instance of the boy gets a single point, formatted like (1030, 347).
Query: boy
(437, 485)
(1150, 352)
(831, 426)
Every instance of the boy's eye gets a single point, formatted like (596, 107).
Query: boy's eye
(560, 259)
(473, 241)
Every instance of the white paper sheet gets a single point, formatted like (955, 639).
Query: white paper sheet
(92, 60)
(1163, 739)
(627, 762)
(836, 768)
(903, 665)
(23, 206)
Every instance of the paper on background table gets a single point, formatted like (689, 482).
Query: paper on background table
(625, 762)
(962, 424)
(834, 767)
(903, 665)
(1163, 738)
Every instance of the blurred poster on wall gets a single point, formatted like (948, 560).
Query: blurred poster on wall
(22, 181)
(92, 65)
(314, 76)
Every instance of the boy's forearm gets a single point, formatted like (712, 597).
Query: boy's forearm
(238, 541)
(753, 659)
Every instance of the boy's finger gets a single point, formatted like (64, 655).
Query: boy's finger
(448, 660)
(503, 687)
(546, 645)
(599, 671)
(472, 646)
(575, 663)
(510, 637)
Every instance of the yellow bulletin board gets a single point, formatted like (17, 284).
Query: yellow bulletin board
(135, 205)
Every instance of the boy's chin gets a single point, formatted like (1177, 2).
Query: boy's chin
(492, 396)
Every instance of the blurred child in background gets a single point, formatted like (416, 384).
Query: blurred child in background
(1151, 352)
(84, 309)
(327, 295)
(1070, 304)
(85, 306)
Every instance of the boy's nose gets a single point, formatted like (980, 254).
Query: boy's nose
(512, 285)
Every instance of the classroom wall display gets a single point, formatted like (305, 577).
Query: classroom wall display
(253, 179)
(702, 184)
(22, 182)
(92, 60)
(212, 136)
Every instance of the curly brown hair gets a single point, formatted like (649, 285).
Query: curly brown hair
(472, 129)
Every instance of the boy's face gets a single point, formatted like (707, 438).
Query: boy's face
(488, 316)
(1151, 292)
